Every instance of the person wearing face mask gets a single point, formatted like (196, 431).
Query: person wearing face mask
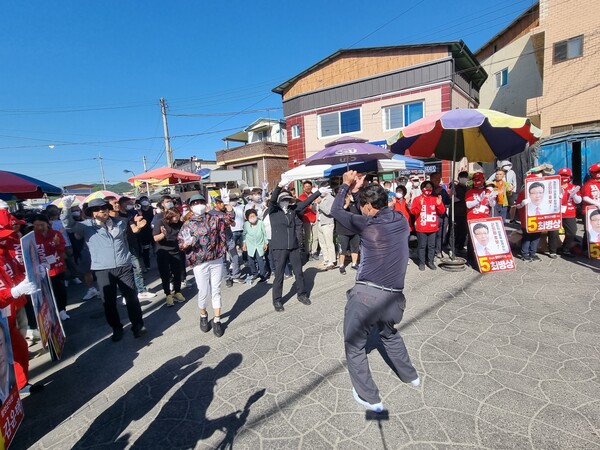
(51, 247)
(414, 189)
(168, 254)
(145, 235)
(284, 240)
(72, 274)
(256, 200)
(427, 208)
(348, 240)
(136, 223)
(461, 230)
(237, 229)
(111, 261)
(376, 301)
(326, 226)
(570, 198)
(81, 255)
(590, 193)
(401, 206)
(255, 244)
(203, 239)
(231, 261)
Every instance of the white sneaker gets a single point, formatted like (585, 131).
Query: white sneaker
(416, 382)
(375, 407)
(184, 284)
(91, 293)
(147, 294)
(63, 315)
(76, 280)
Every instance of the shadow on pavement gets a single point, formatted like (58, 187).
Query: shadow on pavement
(138, 401)
(244, 301)
(183, 422)
(73, 386)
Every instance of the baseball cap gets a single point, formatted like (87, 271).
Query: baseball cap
(196, 198)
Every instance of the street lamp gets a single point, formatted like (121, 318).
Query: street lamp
(129, 171)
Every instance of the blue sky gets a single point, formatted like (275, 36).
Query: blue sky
(86, 76)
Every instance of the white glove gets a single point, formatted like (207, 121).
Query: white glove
(3, 204)
(68, 201)
(187, 237)
(325, 190)
(284, 182)
(23, 288)
(525, 202)
(224, 195)
(314, 189)
(265, 185)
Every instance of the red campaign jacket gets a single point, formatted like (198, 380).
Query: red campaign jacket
(51, 249)
(309, 214)
(568, 208)
(425, 209)
(400, 206)
(11, 274)
(523, 210)
(478, 212)
(590, 189)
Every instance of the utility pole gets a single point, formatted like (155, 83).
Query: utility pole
(169, 152)
(146, 170)
(99, 158)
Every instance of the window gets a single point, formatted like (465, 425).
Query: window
(249, 174)
(502, 78)
(339, 122)
(399, 116)
(261, 135)
(568, 49)
(295, 131)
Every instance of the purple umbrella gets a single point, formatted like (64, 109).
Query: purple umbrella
(347, 150)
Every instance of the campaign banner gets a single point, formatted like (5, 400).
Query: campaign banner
(592, 225)
(544, 209)
(51, 329)
(491, 246)
(11, 408)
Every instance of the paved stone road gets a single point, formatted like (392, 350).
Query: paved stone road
(506, 361)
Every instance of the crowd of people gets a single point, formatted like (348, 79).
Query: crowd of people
(364, 225)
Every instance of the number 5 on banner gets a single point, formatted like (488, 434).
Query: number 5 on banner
(594, 250)
(532, 224)
(484, 264)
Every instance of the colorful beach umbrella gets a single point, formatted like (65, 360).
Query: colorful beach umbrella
(78, 201)
(480, 135)
(166, 173)
(100, 194)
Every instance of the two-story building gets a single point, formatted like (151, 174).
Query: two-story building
(373, 92)
(545, 66)
(262, 155)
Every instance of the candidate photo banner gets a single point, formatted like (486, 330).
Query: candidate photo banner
(11, 408)
(52, 332)
(543, 211)
(491, 246)
(592, 226)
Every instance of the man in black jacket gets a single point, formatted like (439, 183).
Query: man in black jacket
(284, 241)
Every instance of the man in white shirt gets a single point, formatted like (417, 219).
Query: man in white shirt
(483, 246)
(537, 193)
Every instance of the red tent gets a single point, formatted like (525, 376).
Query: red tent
(163, 173)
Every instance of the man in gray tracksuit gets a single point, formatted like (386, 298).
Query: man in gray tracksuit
(106, 238)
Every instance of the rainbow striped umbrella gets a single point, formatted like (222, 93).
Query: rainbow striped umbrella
(78, 201)
(100, 194)
(480, 135)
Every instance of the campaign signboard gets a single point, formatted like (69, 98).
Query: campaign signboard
(11, 408)
(592, 225)
(491, 246)
(543, 210)
(46, 312)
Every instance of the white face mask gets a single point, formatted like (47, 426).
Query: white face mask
(399, 195)
(145, 203)
(284, 204)
(198, 209)
(129, 207)
(462, 181)
(256, 198)
(169, 205)
(253, 220)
